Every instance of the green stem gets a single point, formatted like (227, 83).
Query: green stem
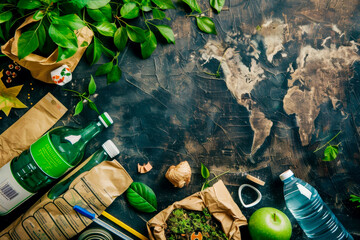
(218, 176)
(274, 217)
(21, 18)
(69, 90)
(327, 142)
(145, 20)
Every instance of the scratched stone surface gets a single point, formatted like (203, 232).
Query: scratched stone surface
(289, 81)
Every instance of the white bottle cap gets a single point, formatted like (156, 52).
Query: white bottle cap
(110, 148)
(105, 119)
(286, 175)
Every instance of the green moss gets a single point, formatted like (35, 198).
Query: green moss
(182, 223)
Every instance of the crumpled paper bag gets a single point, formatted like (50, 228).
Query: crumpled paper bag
(30, 127)
(220, 204)
(55, 219)
(40, 67)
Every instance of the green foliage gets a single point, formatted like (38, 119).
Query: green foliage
(141, 197)
(205, 173)
(217, 4)
(85, 96)
(331, 151)
(206, 25)
(57, 22)
(354, 198)
(181, 223)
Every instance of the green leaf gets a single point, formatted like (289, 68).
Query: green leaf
(96, 4)
(148, 47)
(93, 106)
(217, 4)
(204, 171)
(166, 32)
(84, 44)
(38, 15)
(41, 34)
(164, 4)
(129, 10)
(146, 5)
(92, 86)
(193, 4)
(158, 14)
(71, 20)
(330, 153)
(79, 107)
(114, 75)
(101, 14)
(29, 4)
(107, 51)
(28, 42)
(63, 36)
(105, 28)
(141, 197)
(5, 16)
(104, 69)
(206, 25)
(135, 34)
(120, 38)
(65, 53)
(93, 52)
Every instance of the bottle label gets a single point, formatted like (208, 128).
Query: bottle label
(304, 191)
(47, 157)
(12, 193)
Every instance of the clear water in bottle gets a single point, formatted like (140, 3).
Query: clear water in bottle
(310, 211)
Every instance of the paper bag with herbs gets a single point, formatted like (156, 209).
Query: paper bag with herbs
(216, 200)
(41, 66)
(55, 219)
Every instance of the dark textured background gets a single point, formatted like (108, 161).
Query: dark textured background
(166, 110)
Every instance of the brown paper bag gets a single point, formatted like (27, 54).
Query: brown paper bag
(30, 127)
(220, 204)
(56, 220)
(40, 67)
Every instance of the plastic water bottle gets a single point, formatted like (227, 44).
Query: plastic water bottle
(106, 153)
(310, 211)
(50, 157)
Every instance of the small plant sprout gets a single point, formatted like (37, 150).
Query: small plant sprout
(331, 151)
(205, 173)
(85, 96)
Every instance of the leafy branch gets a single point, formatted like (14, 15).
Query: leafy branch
(331, 151)
(205, 173)
(57, 23)
(85, 97)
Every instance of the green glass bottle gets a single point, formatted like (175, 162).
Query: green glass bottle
(50, 157)
(108, 152)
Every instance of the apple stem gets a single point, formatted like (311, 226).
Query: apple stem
(275, 217)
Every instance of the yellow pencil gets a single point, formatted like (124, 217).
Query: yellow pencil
(123, 225)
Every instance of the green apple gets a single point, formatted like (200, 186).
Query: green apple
(269, 224)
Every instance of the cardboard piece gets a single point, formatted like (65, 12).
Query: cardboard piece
(55, 219)
(220, 204)
(41, 67)
(30, 127)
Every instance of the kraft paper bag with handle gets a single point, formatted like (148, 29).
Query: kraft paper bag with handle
(55, 219)
(30, 127)
(220, 204)
(40, 67)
